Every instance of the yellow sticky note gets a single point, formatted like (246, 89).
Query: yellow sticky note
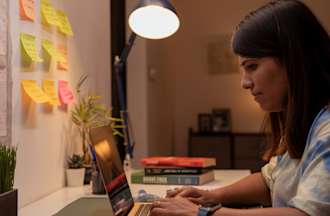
(63, 63)
(48, 13)
(28, 44)
(64, 24)
(27, 11)
(51, 50)
(49, 88)
(34, 91)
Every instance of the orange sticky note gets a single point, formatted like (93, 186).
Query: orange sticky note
(65, 92)
(27, 11)
(63, 63)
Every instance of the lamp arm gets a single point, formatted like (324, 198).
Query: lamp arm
(118, 69)
(128, 47)
(119, 63)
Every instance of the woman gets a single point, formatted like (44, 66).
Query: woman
(284, 53)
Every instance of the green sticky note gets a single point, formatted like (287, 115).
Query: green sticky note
(51, 50)
(64, 24)
(28, 44)
(48, 13)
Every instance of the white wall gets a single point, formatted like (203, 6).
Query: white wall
(43, 134)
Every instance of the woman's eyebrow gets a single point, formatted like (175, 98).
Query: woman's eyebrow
(246, 61)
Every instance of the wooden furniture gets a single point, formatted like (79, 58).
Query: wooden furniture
(54, 202)
(231, 150)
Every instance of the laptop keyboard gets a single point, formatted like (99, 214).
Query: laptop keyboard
(144, 210)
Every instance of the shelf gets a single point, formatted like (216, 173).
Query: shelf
(232, 150)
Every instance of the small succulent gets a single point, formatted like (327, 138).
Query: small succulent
(76, 161)
(7, 167)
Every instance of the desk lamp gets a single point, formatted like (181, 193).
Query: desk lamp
(151, 19)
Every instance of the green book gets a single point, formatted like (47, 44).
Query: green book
(139, 177)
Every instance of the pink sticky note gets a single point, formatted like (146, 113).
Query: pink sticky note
(65, 92)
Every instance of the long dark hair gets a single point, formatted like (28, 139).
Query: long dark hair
(288, 31)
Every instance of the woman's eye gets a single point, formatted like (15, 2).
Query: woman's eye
(251, 67)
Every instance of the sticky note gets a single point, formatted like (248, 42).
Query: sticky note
(63, 63)
(28, 44)
(65, 92)
(48, 13)
(34, 91)
(49, 88)
(27, 9)
(51, 50)
(64, 24)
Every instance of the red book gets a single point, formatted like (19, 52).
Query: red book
(179, 161)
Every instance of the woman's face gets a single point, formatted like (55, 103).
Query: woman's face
(267, 81)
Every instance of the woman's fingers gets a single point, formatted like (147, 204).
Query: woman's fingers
(174, 192)
(177, 206)
(158, 212)
(189, 192)
(160, 203)
(195, 200)
(177, 191)
(161, 207)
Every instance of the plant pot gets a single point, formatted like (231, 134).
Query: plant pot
(75, 177)
(8, 203)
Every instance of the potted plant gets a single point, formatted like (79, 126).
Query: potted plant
(8, 195)
(88, 113)
(76, 171)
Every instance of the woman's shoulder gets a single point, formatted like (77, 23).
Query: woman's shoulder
(317, 150)
(321, 125)
(319, 134)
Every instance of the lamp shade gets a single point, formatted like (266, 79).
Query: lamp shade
(154, 19)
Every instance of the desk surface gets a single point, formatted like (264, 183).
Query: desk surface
(54, 202)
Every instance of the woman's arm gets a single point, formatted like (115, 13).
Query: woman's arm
(180, 206)
(259, 212)
(250, 190)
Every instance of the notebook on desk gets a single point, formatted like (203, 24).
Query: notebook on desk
(114, 178)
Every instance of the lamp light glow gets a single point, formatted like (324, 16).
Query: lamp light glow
(154, 21)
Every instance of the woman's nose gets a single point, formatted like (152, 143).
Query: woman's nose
(246, 84)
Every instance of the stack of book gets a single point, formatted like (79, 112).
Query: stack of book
(175, 171)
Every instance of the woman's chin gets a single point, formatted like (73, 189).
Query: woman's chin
(270, 108)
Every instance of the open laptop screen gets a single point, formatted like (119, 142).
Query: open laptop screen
(112, 171)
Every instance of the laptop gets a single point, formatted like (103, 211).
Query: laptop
(114, 178)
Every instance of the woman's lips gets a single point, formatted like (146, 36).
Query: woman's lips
(257, 97)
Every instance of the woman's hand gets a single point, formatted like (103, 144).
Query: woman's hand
(197, 196)
(177, 206)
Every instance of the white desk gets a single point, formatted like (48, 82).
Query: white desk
(54, 202)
